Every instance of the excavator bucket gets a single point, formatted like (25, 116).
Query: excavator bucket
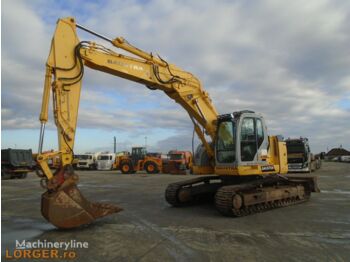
(68, 208)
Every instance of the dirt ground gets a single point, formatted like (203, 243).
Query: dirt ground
(150, 230)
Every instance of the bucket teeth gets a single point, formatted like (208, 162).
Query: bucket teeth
(68, 208)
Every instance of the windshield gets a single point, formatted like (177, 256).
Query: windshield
(85, 157)
(176, 157)
(295, 148)
(104, 157)
(225, 146)
(140, 151)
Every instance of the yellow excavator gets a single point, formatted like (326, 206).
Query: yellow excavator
(248, 166)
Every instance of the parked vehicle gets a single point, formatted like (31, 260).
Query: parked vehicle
(87, 161)
(105, 161)
(300, 158)
(16, 163)
(75, 161)
(138, 160)
(178, 162)
(345, 159)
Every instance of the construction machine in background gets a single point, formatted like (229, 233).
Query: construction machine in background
(300, 158)
(138, 160)
(249, 166)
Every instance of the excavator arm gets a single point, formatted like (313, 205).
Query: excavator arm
(64, 74)
(65, 70)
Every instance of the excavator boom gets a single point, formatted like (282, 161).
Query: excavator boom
(63, 204)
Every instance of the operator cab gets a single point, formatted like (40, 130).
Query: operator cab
(138, 153)
(241, 139)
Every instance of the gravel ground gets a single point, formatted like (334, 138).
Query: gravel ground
(150, 230)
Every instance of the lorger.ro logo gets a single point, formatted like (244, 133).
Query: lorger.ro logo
(43, 249)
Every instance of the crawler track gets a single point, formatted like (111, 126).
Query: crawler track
(234, 201)
(237, 198)
(182, 193)
(171, 194)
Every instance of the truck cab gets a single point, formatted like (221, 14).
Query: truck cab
(178, 162)
(105, 161)
(87, 161)
(300, 158)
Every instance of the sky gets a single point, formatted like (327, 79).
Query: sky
(288, 60)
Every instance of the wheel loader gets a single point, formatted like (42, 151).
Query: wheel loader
(247, 165)
(137, 161)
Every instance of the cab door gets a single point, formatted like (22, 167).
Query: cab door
(138, 153)
(253, 140)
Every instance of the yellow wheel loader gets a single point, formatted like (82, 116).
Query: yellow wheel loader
(137, 161)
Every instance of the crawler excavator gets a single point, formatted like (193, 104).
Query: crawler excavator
(248, 166)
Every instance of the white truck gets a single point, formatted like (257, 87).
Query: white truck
(87, 161)
(345, 159)
(105, 161)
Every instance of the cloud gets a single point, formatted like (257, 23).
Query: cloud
(289, 61)
(181, 141)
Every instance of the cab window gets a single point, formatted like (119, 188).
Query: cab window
(248, 139)
(252, 137)
(259, 132)
(225, 148)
